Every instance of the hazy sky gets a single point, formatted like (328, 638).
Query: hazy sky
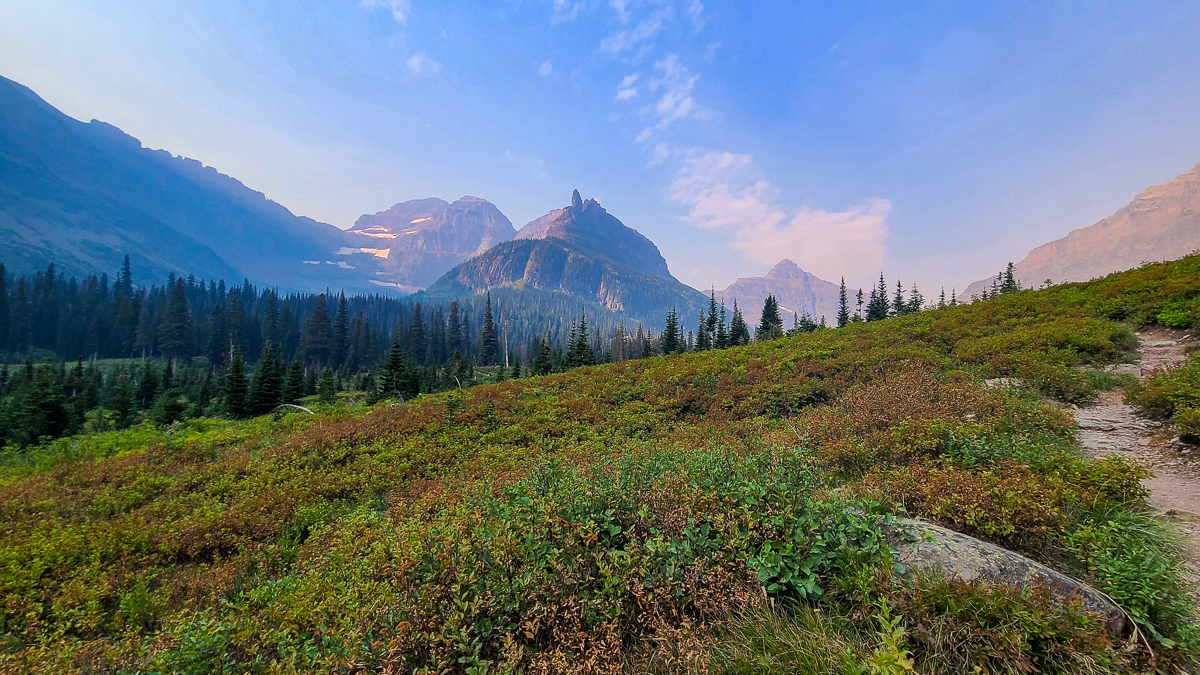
(934, 142)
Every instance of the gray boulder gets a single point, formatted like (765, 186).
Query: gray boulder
(929, 549)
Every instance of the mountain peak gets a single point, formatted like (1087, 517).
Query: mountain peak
(588, 227)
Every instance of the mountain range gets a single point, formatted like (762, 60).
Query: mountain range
(797, 291)
(1161, 223)
(584, 252)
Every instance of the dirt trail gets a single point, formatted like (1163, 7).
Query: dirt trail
(1110, 427)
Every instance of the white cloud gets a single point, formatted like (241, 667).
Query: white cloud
(626, 89)
(676, 83)
(564, 11)
(645, 29)
(531, 163)
(723, 192)
(695, 10)
(421, 64)
(399, 8)
(546, 68)
(621, 7)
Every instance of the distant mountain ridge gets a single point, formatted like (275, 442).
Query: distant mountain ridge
(417, 241)
(1161, 223)
(583, 252)
(797, 291)
(84, 194)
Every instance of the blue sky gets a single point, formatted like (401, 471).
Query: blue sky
(935, 142)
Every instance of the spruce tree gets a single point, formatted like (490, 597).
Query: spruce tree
(703, 336)
(843, 315)
(899, 306)
(454, 330)
(316, 342)
(859, 300)
(771, 325)
(488, 340)
(341, 333)
(120, 401)
(739, 332)
(721, 339)
(671, 342)
(418, 342)
(878, 306)
(328, 387)
(266, 391)
(516, 367)
(175, 332)
(235, 392)
(1010, 283)
(293, 384)
(916, 301)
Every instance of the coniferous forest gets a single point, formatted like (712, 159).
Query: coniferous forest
(94, 354)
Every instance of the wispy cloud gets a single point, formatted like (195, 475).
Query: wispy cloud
(626, 89)
(398, 8)
(420, 65)
(531, 163)
(675, 82)
(645, 29)
(545, 68)
(695, 11)
(621, 7)
(564, 11)
(723, 192)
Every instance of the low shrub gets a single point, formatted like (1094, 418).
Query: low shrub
(1172, 394)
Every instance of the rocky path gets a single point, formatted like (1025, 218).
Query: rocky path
(1111, 427)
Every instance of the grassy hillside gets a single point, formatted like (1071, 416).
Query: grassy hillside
(703, 512)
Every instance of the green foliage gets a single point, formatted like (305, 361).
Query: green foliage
(1134, 562)
(1172, 394)
(581, 521)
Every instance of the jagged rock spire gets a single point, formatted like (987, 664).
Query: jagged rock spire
(576, 200)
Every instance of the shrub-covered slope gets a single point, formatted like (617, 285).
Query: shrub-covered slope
(639, 516)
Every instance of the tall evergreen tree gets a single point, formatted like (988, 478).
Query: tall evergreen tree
(721, 337)
(266, 389)
(703, 336)
(327, 389)
(878, 306)
(899, 306)
(418, 342)
(293, 384)
(236, 402)
(454, 330)
(341, 333)
(739, 332)
(1010, 283)
(916, 301)
(843, 315)
(771, 325)
(671, 340)
(175, 332)
(488, 340)
(316, 342)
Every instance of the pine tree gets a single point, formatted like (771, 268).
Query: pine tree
(771, 325)
(878, 306)
(293, 384)
(953, 298)
(316, 342)
(859, 300)
(147, 387)
(516, 367)
(739, 332)
(899, 306)
(454, 330)
(916, 301)
(236, 404)
(341, 333)
(1010, 283)
(170, 407)
(703, 336)
(175, 333)
(671, 342)
(328, 387)
(418, 343)
(488, 341)
(120, 400)
(4, 314)
(721, 341)
(843, 315)
(942, 299)
(266, 390)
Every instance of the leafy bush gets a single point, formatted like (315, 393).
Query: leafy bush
(1172, 394)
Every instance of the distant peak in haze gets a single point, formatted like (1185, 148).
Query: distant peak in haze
(586, 225)
(796, 290)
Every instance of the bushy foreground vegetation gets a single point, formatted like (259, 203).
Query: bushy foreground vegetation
(1172, 395)
(713, 511)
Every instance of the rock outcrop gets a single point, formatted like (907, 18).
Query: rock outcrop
(929, 549)
(417, 241)
(1161, 223)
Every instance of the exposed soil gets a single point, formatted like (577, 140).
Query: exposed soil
(1111, 427)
